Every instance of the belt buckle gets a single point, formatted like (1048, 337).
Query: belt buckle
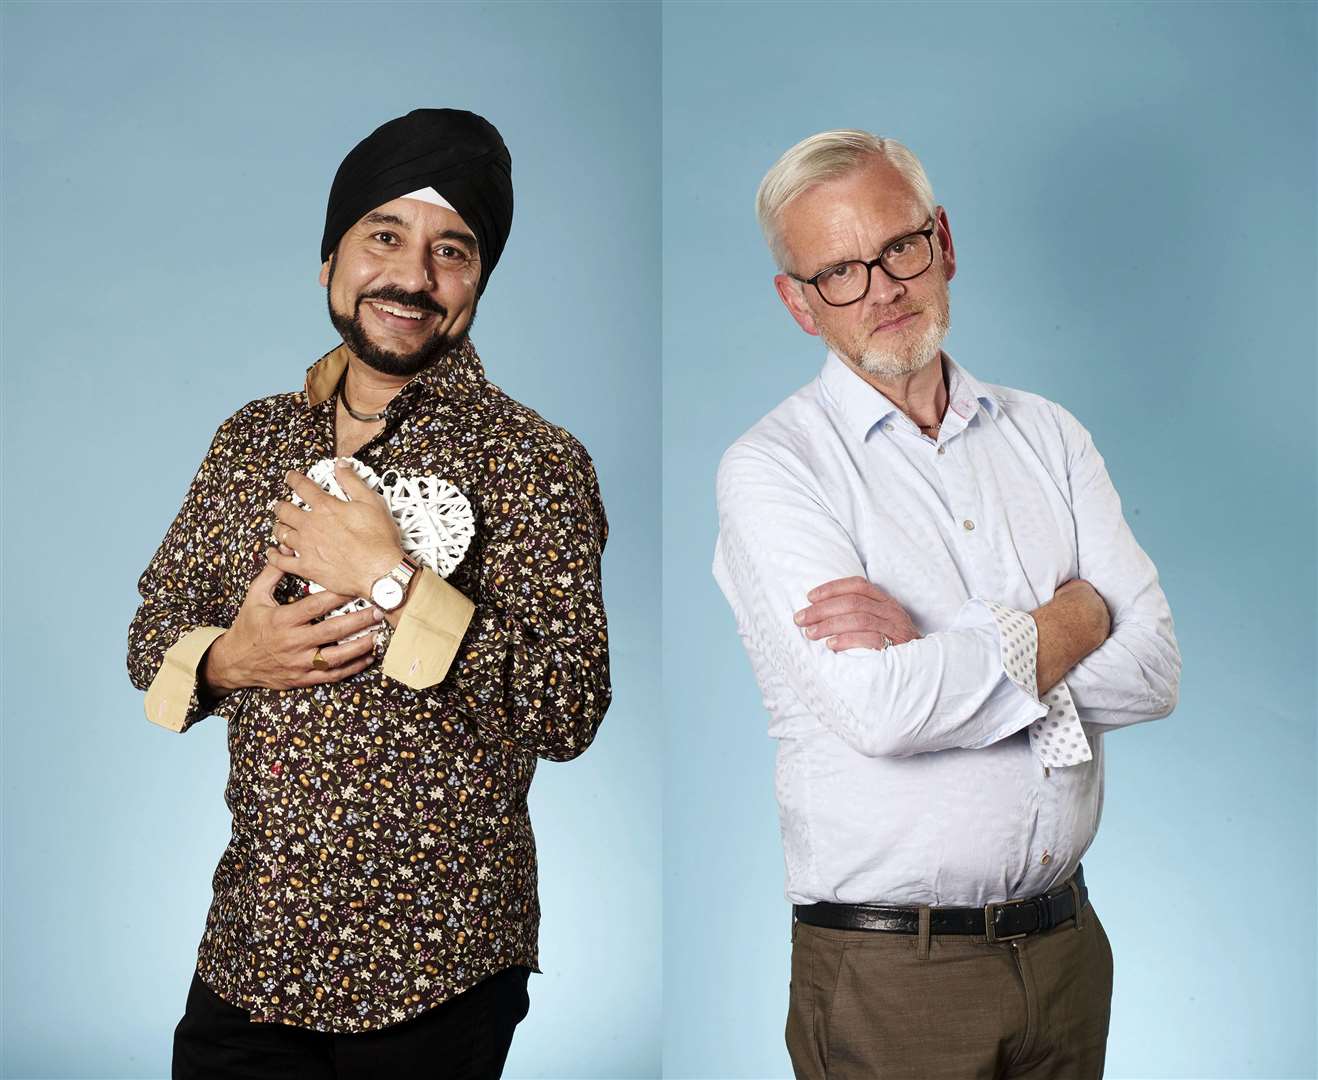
(991, 917)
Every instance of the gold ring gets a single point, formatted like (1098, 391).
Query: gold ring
(319, 662)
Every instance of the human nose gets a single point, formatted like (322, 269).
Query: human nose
(413, 271)
(883, 290)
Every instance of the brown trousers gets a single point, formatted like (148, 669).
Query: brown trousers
(868, 1005)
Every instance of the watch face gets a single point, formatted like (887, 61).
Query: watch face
(387, 593)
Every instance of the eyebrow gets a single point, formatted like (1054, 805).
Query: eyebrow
(882, 248)
(376, 218)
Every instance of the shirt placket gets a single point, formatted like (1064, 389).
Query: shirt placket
(976, 532)
(972, 531)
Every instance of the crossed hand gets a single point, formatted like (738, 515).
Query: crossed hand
(852, 613)
(343, 546)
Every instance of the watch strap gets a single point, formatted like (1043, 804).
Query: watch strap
(402, 573)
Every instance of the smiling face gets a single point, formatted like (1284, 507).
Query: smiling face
(898, 326)
(401, 285)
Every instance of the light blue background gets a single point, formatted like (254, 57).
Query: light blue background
(1131, 192)
(165, 175)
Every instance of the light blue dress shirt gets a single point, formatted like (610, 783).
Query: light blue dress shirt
(905, 775)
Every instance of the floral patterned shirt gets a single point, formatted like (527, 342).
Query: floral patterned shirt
(381, 858)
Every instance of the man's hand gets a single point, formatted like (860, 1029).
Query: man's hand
(271, 644)
(851, 613)
(343, 546)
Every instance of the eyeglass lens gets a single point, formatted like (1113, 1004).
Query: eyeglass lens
(905, 258)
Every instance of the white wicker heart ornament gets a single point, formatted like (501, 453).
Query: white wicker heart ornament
(435, 520)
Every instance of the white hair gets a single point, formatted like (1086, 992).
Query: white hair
(828, 156)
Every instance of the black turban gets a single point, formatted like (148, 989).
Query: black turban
(459, 154)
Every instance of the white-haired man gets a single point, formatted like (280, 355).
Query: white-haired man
(945, 611)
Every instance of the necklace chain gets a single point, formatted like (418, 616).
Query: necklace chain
(362, 416)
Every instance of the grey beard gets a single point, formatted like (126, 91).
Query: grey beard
(890, 364)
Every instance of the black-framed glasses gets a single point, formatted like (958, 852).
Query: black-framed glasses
(844, 283)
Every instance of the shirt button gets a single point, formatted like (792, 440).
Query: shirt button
(942, 449)
(887, 427)
(1045, 858)
(968, 524)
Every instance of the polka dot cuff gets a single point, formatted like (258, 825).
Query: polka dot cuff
(1057, 739)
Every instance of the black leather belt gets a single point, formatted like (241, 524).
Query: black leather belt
(1004, 921)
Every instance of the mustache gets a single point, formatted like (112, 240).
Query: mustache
(392, 294)
(894, 315)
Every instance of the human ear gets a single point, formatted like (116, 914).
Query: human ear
(790, 292)
(943, 234)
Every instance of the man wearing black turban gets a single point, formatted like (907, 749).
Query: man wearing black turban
(375, 912)
(454, 161)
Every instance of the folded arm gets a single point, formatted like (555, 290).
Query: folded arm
(947, 689)
(1134, 675)
(530, 659)
(194, 654)
(180, 615)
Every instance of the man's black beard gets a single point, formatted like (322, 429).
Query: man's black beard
(391, 363)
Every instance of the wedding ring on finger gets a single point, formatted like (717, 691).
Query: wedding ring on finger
(319, 662)
(886, 639)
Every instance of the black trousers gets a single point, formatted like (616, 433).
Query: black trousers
(465, 1038)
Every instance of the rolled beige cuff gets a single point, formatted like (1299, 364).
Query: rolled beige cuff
(172, 700)
(423, 644)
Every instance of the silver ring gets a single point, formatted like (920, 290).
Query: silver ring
(886, 639)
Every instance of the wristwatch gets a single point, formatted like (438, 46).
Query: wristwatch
(388, 592)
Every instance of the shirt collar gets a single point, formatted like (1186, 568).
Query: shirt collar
(864, 406)
(457, 373)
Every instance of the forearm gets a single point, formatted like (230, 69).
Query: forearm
(946, 690)
(1134, 675)
(1071, 625)
(546, 694)
(211, 684)
(519, 646)
(1133, 678)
